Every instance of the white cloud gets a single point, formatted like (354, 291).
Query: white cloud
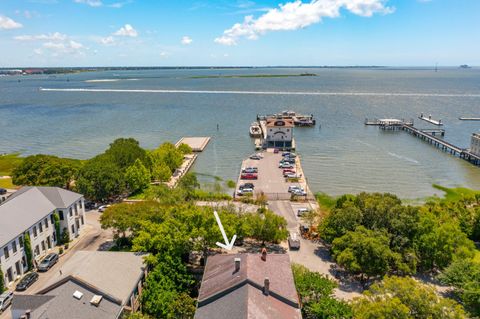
(56, 36)
(66, 47)
(6, 23)
(126, 31)
(186, 40)
(91, 3)
(107, 40)
(296, 15)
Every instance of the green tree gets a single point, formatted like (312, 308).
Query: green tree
(123, 152)
(316, 295)
(182, 307)
(28, 251)
(137, 177)
(46, 170)
(56, 221)
(464, 275)
(2, 283)
(440, 239)
(100, 179)
(161, 172)
(185, 149)
(397, 297)
(137, 315)
(367, 252)
(169, 155)
(65, 238)
(266, 227)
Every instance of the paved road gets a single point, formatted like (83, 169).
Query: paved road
(93, 238)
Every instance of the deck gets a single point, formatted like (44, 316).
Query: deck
(197, 144)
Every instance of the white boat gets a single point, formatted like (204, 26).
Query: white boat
(255, 130)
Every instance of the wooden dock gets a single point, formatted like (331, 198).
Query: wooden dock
(428, 135)
(197, 144)
(430, 120)
(464, 118)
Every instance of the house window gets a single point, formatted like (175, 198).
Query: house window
(6, 252)
(73, 229)
(20, 240)
(40, 227)
(76, 209)
(34, 231)
(70, 211)
(52, 220)
(46, 222)
(60, 215)
(81, 219)
(37, 250)
(43, 245)
(14, 246)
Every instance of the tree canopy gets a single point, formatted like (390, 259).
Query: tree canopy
(404, 298)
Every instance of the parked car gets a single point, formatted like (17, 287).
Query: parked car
(27, 281)
(288, 160)
(102, 208)
(90, 205)
(257, 156)
(276, 151)
(249, 176)
(285, 165)
(247, 185)
(294, 188)
(294, 241)
(245, 191)
(302, 211)
(289, 154)
(250, 170)
(3, 191)
(292, 175)
(299, 192)
(48, 262)
(5, 300)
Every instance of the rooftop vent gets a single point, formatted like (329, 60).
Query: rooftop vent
(77, 295)
(96, 299)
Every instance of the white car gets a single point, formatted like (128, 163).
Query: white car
(5, 300)
(102, 208)
(299, 192)
(302, 211)
(293, 188)
(245, 191)
(285, 165)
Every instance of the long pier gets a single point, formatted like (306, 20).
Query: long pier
(428, 135)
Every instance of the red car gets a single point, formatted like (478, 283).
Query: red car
(276, 150)
(249, 176)
(288, 171)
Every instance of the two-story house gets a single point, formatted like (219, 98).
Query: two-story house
(31, 211)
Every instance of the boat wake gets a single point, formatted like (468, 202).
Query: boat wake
(408, 159)
(256, 92)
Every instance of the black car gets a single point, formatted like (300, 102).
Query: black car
(3, 191)
(48, 262)
(27, 281)
(247, 185)
(90, 205)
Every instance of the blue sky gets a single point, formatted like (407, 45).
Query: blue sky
(239, 32)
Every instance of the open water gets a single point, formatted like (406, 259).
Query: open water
(340, 155)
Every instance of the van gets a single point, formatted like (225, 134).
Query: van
(302, 211)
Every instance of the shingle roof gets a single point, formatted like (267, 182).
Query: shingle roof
(114, 273)
(240, 294)
(28, 206)
(60, 304)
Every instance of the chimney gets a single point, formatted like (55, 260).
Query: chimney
(266, 286)
(264, 254)
(237, 264)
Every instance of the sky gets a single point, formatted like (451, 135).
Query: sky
(55, 33)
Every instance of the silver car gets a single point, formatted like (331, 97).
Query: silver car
(5, 300)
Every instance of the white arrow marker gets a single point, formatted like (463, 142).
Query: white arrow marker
(227, 245)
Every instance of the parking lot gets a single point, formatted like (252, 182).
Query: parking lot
(270, 178)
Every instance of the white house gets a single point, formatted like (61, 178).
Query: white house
(31, 210)
(475, 144)
(279, 133)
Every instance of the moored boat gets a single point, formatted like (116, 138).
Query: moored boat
(255, 130)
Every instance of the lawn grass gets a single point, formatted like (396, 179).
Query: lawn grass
(8, 162)
(455, 194)
(6, 183)
(326, 201)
